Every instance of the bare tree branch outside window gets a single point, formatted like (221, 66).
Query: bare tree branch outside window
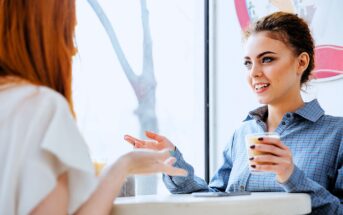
(144, 85)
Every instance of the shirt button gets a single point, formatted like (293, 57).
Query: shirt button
(241, 188)
(288, 115)
(283, 123)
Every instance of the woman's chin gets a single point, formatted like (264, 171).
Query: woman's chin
(263, 100)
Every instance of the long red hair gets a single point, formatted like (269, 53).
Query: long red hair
(37, 42)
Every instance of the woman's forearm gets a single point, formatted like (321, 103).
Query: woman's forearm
(135, 162)
(101, 201)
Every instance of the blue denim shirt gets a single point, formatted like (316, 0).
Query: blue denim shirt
(316, 142)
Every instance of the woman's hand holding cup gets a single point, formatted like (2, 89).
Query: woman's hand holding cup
(268, 154)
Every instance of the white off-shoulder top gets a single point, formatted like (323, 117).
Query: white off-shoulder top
(39, 140)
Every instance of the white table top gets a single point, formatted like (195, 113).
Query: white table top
(256, 203)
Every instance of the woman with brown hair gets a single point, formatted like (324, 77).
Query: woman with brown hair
(306, 156)
(44, 163)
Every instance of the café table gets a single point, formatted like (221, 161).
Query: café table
(257, 203)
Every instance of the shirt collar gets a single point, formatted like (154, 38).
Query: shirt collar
(310, 111)
(260, 113)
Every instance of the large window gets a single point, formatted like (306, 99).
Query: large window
(114, 80)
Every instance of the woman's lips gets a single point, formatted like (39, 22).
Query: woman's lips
(261, 87)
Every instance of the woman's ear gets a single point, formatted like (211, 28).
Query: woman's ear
(303, 62)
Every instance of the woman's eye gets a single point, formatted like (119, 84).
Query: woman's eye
(247, 64)
(267, 60)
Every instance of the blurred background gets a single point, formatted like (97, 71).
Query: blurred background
(150, 75)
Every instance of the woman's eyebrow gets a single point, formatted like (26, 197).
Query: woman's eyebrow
(264, 53)
(260, 55)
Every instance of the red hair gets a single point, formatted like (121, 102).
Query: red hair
(37, 42)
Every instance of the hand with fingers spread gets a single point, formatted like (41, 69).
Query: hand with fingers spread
(273, 156)
(148, 162)
(156, 142)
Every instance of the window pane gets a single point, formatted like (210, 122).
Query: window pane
(105, 101)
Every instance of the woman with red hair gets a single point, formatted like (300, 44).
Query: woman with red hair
(44, 161)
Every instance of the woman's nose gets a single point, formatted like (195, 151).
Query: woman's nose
(255, 71)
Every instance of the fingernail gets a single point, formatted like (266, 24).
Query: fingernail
(260, 138)
(253, 166)
(252, 146)
(252, 158)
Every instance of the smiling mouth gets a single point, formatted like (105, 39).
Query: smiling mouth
(259, 88)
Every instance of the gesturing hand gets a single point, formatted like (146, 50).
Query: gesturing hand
(157, 142)
(148, 161)
(276, 158)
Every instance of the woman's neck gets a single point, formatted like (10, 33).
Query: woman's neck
(276, 111)
(7, 81)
